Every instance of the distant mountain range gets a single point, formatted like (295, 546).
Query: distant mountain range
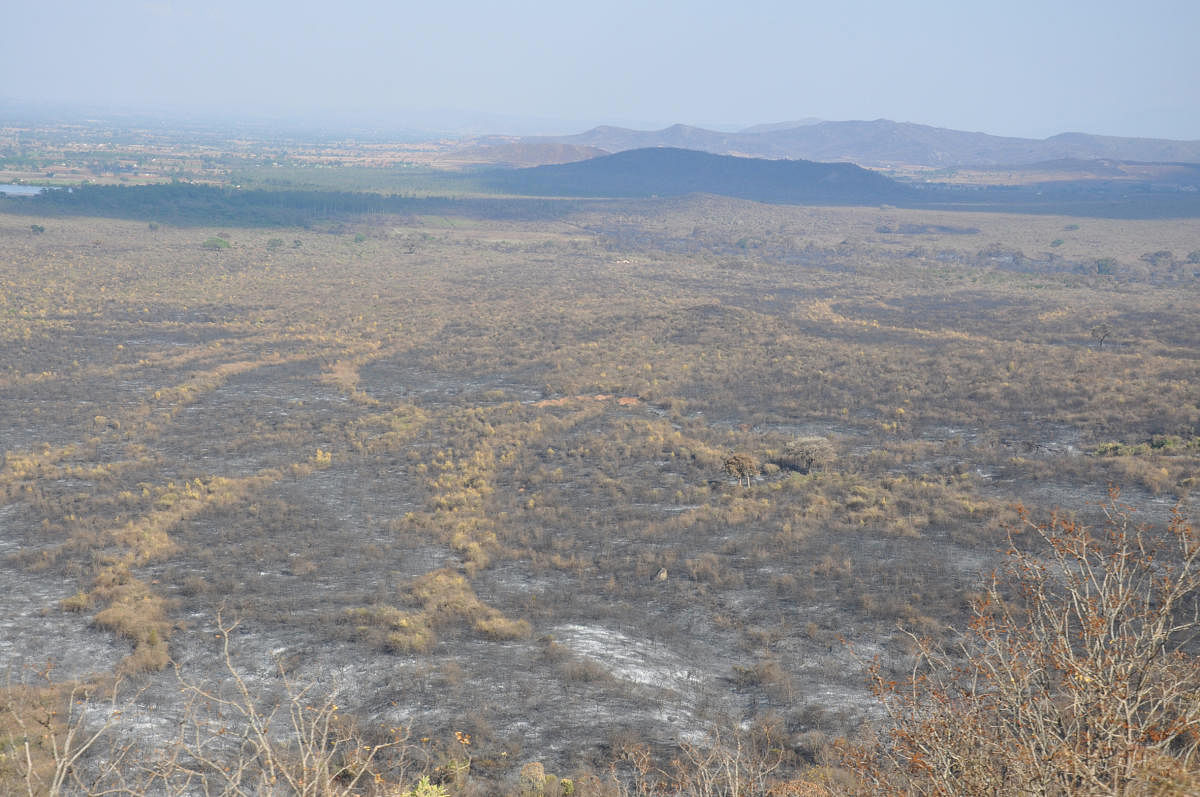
(670, 171)
(883, 143)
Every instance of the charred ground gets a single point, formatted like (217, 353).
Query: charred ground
(468, 470)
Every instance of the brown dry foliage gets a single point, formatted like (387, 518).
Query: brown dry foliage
(743, 467)
(1077, 675)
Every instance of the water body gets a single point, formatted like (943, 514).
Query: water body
(10, 189)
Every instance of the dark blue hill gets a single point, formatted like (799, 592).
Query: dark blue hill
(668, 171)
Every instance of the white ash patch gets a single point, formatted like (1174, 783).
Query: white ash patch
(643, 662)
(36, 635)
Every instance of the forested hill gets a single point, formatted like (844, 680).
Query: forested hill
(668, 171)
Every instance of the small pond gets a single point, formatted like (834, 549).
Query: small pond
(10, 189)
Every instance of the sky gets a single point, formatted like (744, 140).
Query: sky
(1028, 68)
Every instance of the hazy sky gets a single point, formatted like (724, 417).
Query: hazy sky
(1009, 67)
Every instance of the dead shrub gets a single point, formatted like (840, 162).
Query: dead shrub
(807, 454)
(1077, 675)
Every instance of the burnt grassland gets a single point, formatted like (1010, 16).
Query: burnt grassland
(468, 472)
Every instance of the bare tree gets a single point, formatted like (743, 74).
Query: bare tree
(235, 741)
(56, 727)
(232, 739)
(1077, 675)
(742, 762)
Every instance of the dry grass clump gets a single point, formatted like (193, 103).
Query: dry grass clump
(393, 629)
(497, 626)
(140, 617)
(445, 598)
(132, 611)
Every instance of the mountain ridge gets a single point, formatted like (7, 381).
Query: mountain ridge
(883, 143)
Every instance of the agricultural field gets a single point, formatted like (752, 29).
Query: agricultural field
(564, 489)
(130, 152)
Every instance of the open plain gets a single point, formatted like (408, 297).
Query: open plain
(470, 471)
